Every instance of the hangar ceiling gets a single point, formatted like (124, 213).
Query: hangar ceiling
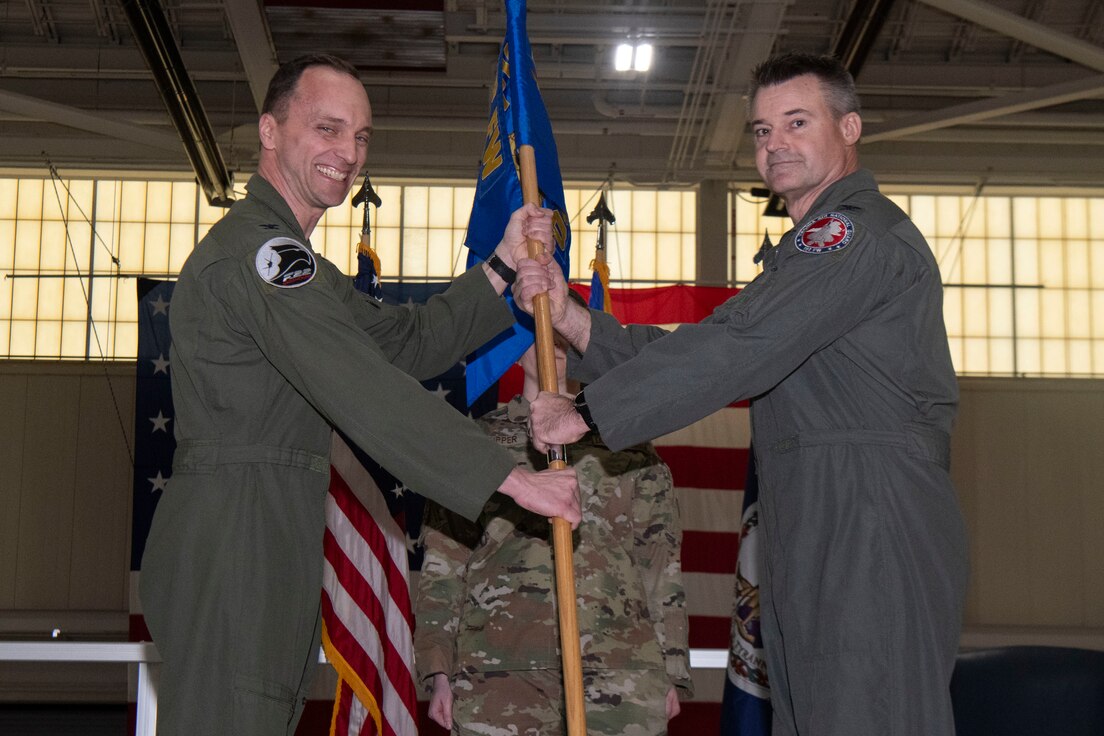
(963, 92)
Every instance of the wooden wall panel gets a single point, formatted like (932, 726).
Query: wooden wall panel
(13, 398)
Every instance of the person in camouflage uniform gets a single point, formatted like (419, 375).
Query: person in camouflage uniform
(487, 636)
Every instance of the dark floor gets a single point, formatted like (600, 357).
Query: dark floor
(64, 720)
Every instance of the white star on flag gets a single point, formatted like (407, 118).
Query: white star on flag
(160, 306)
(160, 422)
(441, 392)
(158, 482)
(160, 364)
(399, 490)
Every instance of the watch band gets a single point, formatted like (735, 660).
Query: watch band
(499, 266)
(584, 411)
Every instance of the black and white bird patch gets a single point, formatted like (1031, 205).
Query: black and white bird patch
(285, 263)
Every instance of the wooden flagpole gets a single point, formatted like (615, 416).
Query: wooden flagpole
(571, 655)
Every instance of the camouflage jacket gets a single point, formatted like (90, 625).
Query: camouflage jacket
(486, 595)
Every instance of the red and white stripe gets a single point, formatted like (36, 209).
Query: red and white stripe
(366, 606)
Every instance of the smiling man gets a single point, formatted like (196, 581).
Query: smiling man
(840, 346)
(272, 348)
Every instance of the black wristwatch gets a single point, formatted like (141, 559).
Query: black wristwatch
(499, 266)
(584, 411)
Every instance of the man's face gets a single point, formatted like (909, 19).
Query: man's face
(800, 148)
(321, 145)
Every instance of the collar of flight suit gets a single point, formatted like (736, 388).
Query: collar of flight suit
(839, 190)
(260, 190)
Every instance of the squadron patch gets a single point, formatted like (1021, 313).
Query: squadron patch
(285, 263)
(825, 234)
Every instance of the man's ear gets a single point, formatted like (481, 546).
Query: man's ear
(851, 127)
(266, 130)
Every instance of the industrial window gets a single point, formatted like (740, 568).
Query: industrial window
(70, 250)
(1023, 276)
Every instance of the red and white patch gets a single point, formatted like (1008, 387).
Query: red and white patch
(825, 234)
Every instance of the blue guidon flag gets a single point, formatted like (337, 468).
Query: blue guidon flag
(517, 118)
(825, 234)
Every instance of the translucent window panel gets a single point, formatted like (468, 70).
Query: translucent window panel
(75, 295)
(73, 339)
(1076, 218)
(125, 339)
(975, 303)
(104, 299)
(181, 245)
(975, 261)
(48, 338)
(668, 257)
(24, 299)
(5, 331)
(1053, 313)
(643, 256)
(132, 246)
(670, 212)
(955, 346)
(999, 322)
(1078, 272)
(1097, 357)
(1025, 252)
(975, 355)
(1054, 358)
(1025, 221)
(922, 211)
(389, 214)
(1049, 213)
(441, 252)
(952, 309)
(1029, 312)
(7, 246)
(1097, 314)
(156, 251)
(386, 243)
(1052, 265)
(158, 201)
(9, 198)
(132, 201)
(414, 251)
(949, 214)
(209, 214)
(1080, 357)
(183, 202)
(1096, 218)
(1029, 356)
(645, 211)
(29, 199)
(1079, 308)
(28, 238)
(416, 207)
(1096, 260)
(124, 302)
(949, 257)
(53, 249)
(1002, 358)
(998, 260)
(50, 294)
(440, 207)
(995, 214)
(22, 338)
(690, 258)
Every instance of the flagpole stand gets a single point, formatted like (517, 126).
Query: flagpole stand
(570, 652)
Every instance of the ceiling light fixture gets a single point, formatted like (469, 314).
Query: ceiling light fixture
(634, 57)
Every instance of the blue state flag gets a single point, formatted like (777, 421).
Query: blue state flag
(517, 118)
(745, 705)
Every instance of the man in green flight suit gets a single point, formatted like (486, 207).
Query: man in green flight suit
(840, 345)
(272, 348)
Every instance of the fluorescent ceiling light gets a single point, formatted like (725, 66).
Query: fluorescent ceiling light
(643, 60)
(622, 61)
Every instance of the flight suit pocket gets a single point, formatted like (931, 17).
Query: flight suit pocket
(261, 706)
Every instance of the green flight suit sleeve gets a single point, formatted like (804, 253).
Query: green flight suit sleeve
(442, 588)
(425, 340)
(751, 342)
(657, 555)
(611, 344)
(309, 335)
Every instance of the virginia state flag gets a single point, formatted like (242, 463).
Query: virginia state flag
(745, 707)
(517, 118)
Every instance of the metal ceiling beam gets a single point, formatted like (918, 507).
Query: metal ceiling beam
(972, 112)
(1022, 29)
(154, 39)
(258, 57)
(33, 108)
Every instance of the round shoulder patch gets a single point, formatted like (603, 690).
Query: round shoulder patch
(285, 262)
(825, 234)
